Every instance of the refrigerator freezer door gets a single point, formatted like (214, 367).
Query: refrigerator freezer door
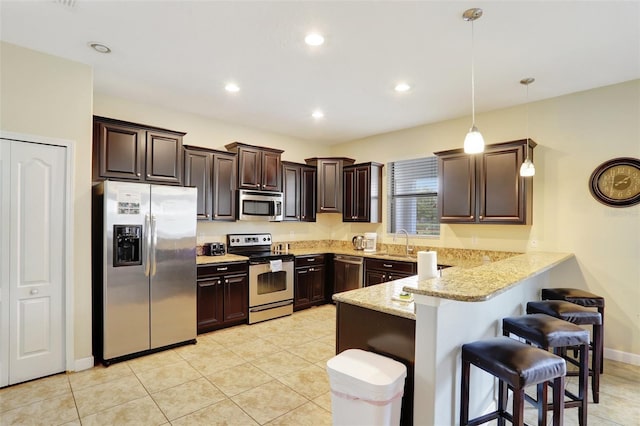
(125, 292)
(173, 265)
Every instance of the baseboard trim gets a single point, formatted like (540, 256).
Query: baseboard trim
(626, 357)
(83, 364)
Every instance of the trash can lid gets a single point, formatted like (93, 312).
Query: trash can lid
(366, 373)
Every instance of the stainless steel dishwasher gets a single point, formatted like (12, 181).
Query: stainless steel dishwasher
(347, 273)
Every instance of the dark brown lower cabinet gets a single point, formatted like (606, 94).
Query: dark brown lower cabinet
(223, 295)
(384, 334)
(309, 281)
(377, 271)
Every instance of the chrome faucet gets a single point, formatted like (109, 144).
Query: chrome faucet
(407, 250)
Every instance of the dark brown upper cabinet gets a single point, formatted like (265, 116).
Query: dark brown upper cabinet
(135, 152)
(259, 168)
(214, 174)
(299, 188)
(362, 195)
(330, 182)
(486, 187)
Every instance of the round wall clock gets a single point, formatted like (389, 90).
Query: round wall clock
(616, 182)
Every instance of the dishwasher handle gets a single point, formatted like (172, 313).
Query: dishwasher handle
(349, 259)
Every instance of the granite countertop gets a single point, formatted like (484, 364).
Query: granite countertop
(205, 260)
(471, 284)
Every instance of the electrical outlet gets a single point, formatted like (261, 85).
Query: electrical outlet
(474, 240)
(534, 243)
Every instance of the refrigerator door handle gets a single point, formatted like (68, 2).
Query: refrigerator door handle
(154, 232)
(147, 248)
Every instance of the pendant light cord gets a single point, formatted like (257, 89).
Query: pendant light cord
(473, 79)
(527, 123)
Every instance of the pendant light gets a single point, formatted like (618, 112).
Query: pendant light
(473, 142)
(527, 169)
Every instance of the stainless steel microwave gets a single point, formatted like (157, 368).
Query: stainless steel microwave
(260, 205)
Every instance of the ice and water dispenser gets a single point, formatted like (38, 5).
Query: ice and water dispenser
(127, 245)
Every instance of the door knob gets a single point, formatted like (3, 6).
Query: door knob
(34, 291)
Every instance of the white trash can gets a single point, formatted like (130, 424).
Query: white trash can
(366, 388)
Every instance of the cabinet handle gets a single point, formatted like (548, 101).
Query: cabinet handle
(209, 284)
(386, 265)
(311, 269)
(138, 174)
(303, 271)
(222, 268)
(384, 277)
(311, 259)
(148, 175)
(226, 281)
(472, 217)
(480, 217)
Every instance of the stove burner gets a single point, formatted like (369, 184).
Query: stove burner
(257, 247)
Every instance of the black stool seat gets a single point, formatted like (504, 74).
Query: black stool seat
(578, 315)
(547, 332)
(517, 365)
(565, 310)
(574, 295)
(582, 298)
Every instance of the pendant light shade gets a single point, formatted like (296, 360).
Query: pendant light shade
(527, 169)
(473, 142)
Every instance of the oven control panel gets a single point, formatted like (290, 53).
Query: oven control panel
(248, 240)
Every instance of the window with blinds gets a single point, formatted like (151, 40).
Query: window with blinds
(413, 196)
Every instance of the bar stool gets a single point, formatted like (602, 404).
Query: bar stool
(517, 365)
(582, 298)
(578, 315)
(547, 332)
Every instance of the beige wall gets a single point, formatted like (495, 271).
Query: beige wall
(47, 96)
(575, 133)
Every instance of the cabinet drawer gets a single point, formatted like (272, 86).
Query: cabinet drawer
(301, 261)
(205, 271)
(390, 265)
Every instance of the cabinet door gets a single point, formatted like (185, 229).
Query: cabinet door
(197, 173)
(329, 186)
(236, 298)
(291, 187)
(308, 194)
(271, 171)
(302, 291)
(120, 152)
(249, 168)
(457, 188)
(373, 277)
(210, 304)
(164, 158)
(317, 285)
(224, 187)
(357, 193)
(501, 186)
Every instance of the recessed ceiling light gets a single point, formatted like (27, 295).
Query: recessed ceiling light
(314, 39)
(99, 47)
(232, 87)
(317, 114)
(402, 87)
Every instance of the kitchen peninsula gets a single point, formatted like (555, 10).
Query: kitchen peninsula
(465, 304)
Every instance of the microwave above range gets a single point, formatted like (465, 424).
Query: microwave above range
(260, 205)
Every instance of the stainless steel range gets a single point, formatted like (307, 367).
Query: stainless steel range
(270, 276)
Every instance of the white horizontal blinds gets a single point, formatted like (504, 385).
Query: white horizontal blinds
(413, 194)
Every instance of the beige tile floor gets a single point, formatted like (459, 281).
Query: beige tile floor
(267, 373)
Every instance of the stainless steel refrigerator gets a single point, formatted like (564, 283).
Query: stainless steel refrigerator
(144, 268)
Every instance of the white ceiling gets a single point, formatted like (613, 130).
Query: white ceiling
(180, 54)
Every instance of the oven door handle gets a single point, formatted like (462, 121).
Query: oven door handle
(271, 306)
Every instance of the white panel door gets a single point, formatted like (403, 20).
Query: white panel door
(36, 252)
(5, 227)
